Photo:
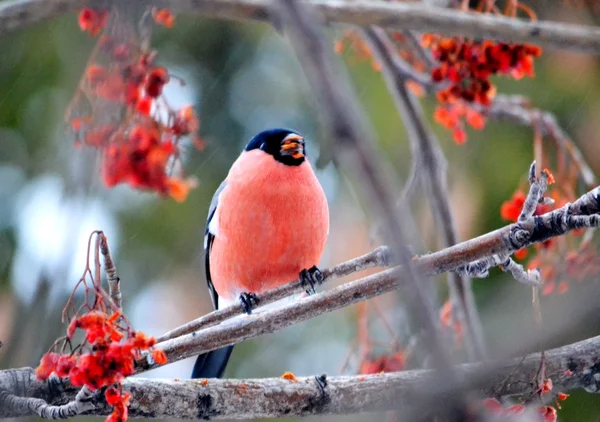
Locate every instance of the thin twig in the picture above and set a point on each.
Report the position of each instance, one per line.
(114, 282)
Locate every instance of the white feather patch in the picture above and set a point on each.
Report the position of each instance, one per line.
(213, 226)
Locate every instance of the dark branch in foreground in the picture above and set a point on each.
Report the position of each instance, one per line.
(16, 14)
(570, 367)
(430, 166)
(358, 156)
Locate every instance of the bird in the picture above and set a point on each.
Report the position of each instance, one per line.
(267, 225)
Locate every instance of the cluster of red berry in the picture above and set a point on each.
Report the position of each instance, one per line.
(466, 66)
(106, 354)
(108, 361)
(126, 120)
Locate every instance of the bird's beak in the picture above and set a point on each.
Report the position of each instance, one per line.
(293, 145)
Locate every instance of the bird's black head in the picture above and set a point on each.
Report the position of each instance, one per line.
(285, 145)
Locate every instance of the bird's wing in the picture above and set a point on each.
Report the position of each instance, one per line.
(210, 232)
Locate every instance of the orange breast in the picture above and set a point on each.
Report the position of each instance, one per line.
(273, 222)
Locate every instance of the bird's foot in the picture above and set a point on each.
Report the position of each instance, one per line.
(309, 278)
(56, 385)
(321, 383)
(248, 300)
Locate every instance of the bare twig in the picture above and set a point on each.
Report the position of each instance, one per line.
(414, 40)
(527, 277)
(432, 164)
(480, 269)
(570, 367)
(113, 280)
(537, 188)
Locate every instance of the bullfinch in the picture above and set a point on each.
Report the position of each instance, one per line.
(267, 225)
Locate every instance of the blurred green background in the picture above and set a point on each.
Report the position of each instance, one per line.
(243, 78)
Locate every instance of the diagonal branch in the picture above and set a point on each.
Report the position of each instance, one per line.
(570, 367)
(379, 257)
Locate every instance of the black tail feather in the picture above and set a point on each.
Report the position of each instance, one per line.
(212, 364)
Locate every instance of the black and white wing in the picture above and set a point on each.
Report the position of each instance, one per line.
(212, 230)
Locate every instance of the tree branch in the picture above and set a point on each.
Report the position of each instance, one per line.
(16, 14)
(573, 366)
(432, 164)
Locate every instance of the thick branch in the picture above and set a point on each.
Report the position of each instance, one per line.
(421, 17)
(573, 366)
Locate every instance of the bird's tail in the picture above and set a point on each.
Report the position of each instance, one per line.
(212, 364)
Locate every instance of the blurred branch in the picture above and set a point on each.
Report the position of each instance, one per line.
(431, 166)
(414, 16)
(570, 367)
(585, 212)
(16, 14)
(356, 153)
(515, 109)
